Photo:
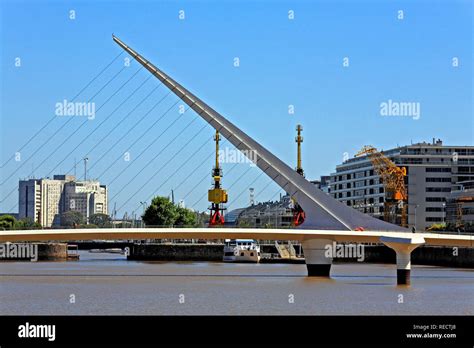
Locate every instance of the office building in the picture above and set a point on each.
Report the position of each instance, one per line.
(45, 199)
(433, 171)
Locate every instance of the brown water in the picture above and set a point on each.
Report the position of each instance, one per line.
(109, 284)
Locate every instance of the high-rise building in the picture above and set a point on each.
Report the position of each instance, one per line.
(45, 199)
(433, 170)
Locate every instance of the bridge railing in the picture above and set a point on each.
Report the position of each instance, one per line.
(135, 226)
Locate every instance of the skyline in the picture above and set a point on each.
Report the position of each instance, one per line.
(256, 83)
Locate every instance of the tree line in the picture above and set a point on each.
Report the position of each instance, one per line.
(161, 212)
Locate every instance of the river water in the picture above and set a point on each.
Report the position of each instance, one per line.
(109, 284)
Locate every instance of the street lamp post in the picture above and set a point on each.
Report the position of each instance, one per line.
(144, 205)
(416, 207)
(85, 159)
(444, 214)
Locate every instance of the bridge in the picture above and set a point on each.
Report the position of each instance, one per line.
(314, 241)
(327, 220)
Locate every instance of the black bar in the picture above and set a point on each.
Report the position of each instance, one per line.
(267, 330)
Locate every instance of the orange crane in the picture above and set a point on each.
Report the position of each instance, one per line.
(393, 179)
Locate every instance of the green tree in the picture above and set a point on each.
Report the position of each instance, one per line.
(100, 220)
(186, 217)
(7, 222)
(27, 223)
(72, 218)
(161, 212)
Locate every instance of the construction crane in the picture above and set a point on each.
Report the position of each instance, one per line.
(299, 140)
(393, 179)
(460, 201)
(217, 196)
(298, 212)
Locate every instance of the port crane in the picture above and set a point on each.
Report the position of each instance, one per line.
(393, 179)
(459, 210)
(298, 212)
(216, 195)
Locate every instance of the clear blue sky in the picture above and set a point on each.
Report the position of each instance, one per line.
(282, 62)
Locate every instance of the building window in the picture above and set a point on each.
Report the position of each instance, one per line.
(438, 179)
(433, 209)
(433, 219)
(438, 189)
(435, 199)
(437, 170)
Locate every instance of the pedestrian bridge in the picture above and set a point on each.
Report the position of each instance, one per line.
(314, 241)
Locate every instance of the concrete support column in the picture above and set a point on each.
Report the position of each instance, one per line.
(403, 267)
(317, 263)
(403, 247)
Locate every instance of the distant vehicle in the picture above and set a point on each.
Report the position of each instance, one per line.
(241, 250)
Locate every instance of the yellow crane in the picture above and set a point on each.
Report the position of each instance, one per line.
(217, 196)
(393, 179)
(298, 212)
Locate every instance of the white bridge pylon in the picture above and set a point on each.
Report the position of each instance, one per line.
(322, 211)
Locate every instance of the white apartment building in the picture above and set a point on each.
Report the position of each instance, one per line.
(433, 171)
(45, 199)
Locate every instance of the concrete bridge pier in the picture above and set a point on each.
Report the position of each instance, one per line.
(403, 248)
(317, 262)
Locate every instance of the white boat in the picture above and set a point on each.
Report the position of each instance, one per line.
(241, 250)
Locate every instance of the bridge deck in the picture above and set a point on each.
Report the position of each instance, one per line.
(231, 233)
